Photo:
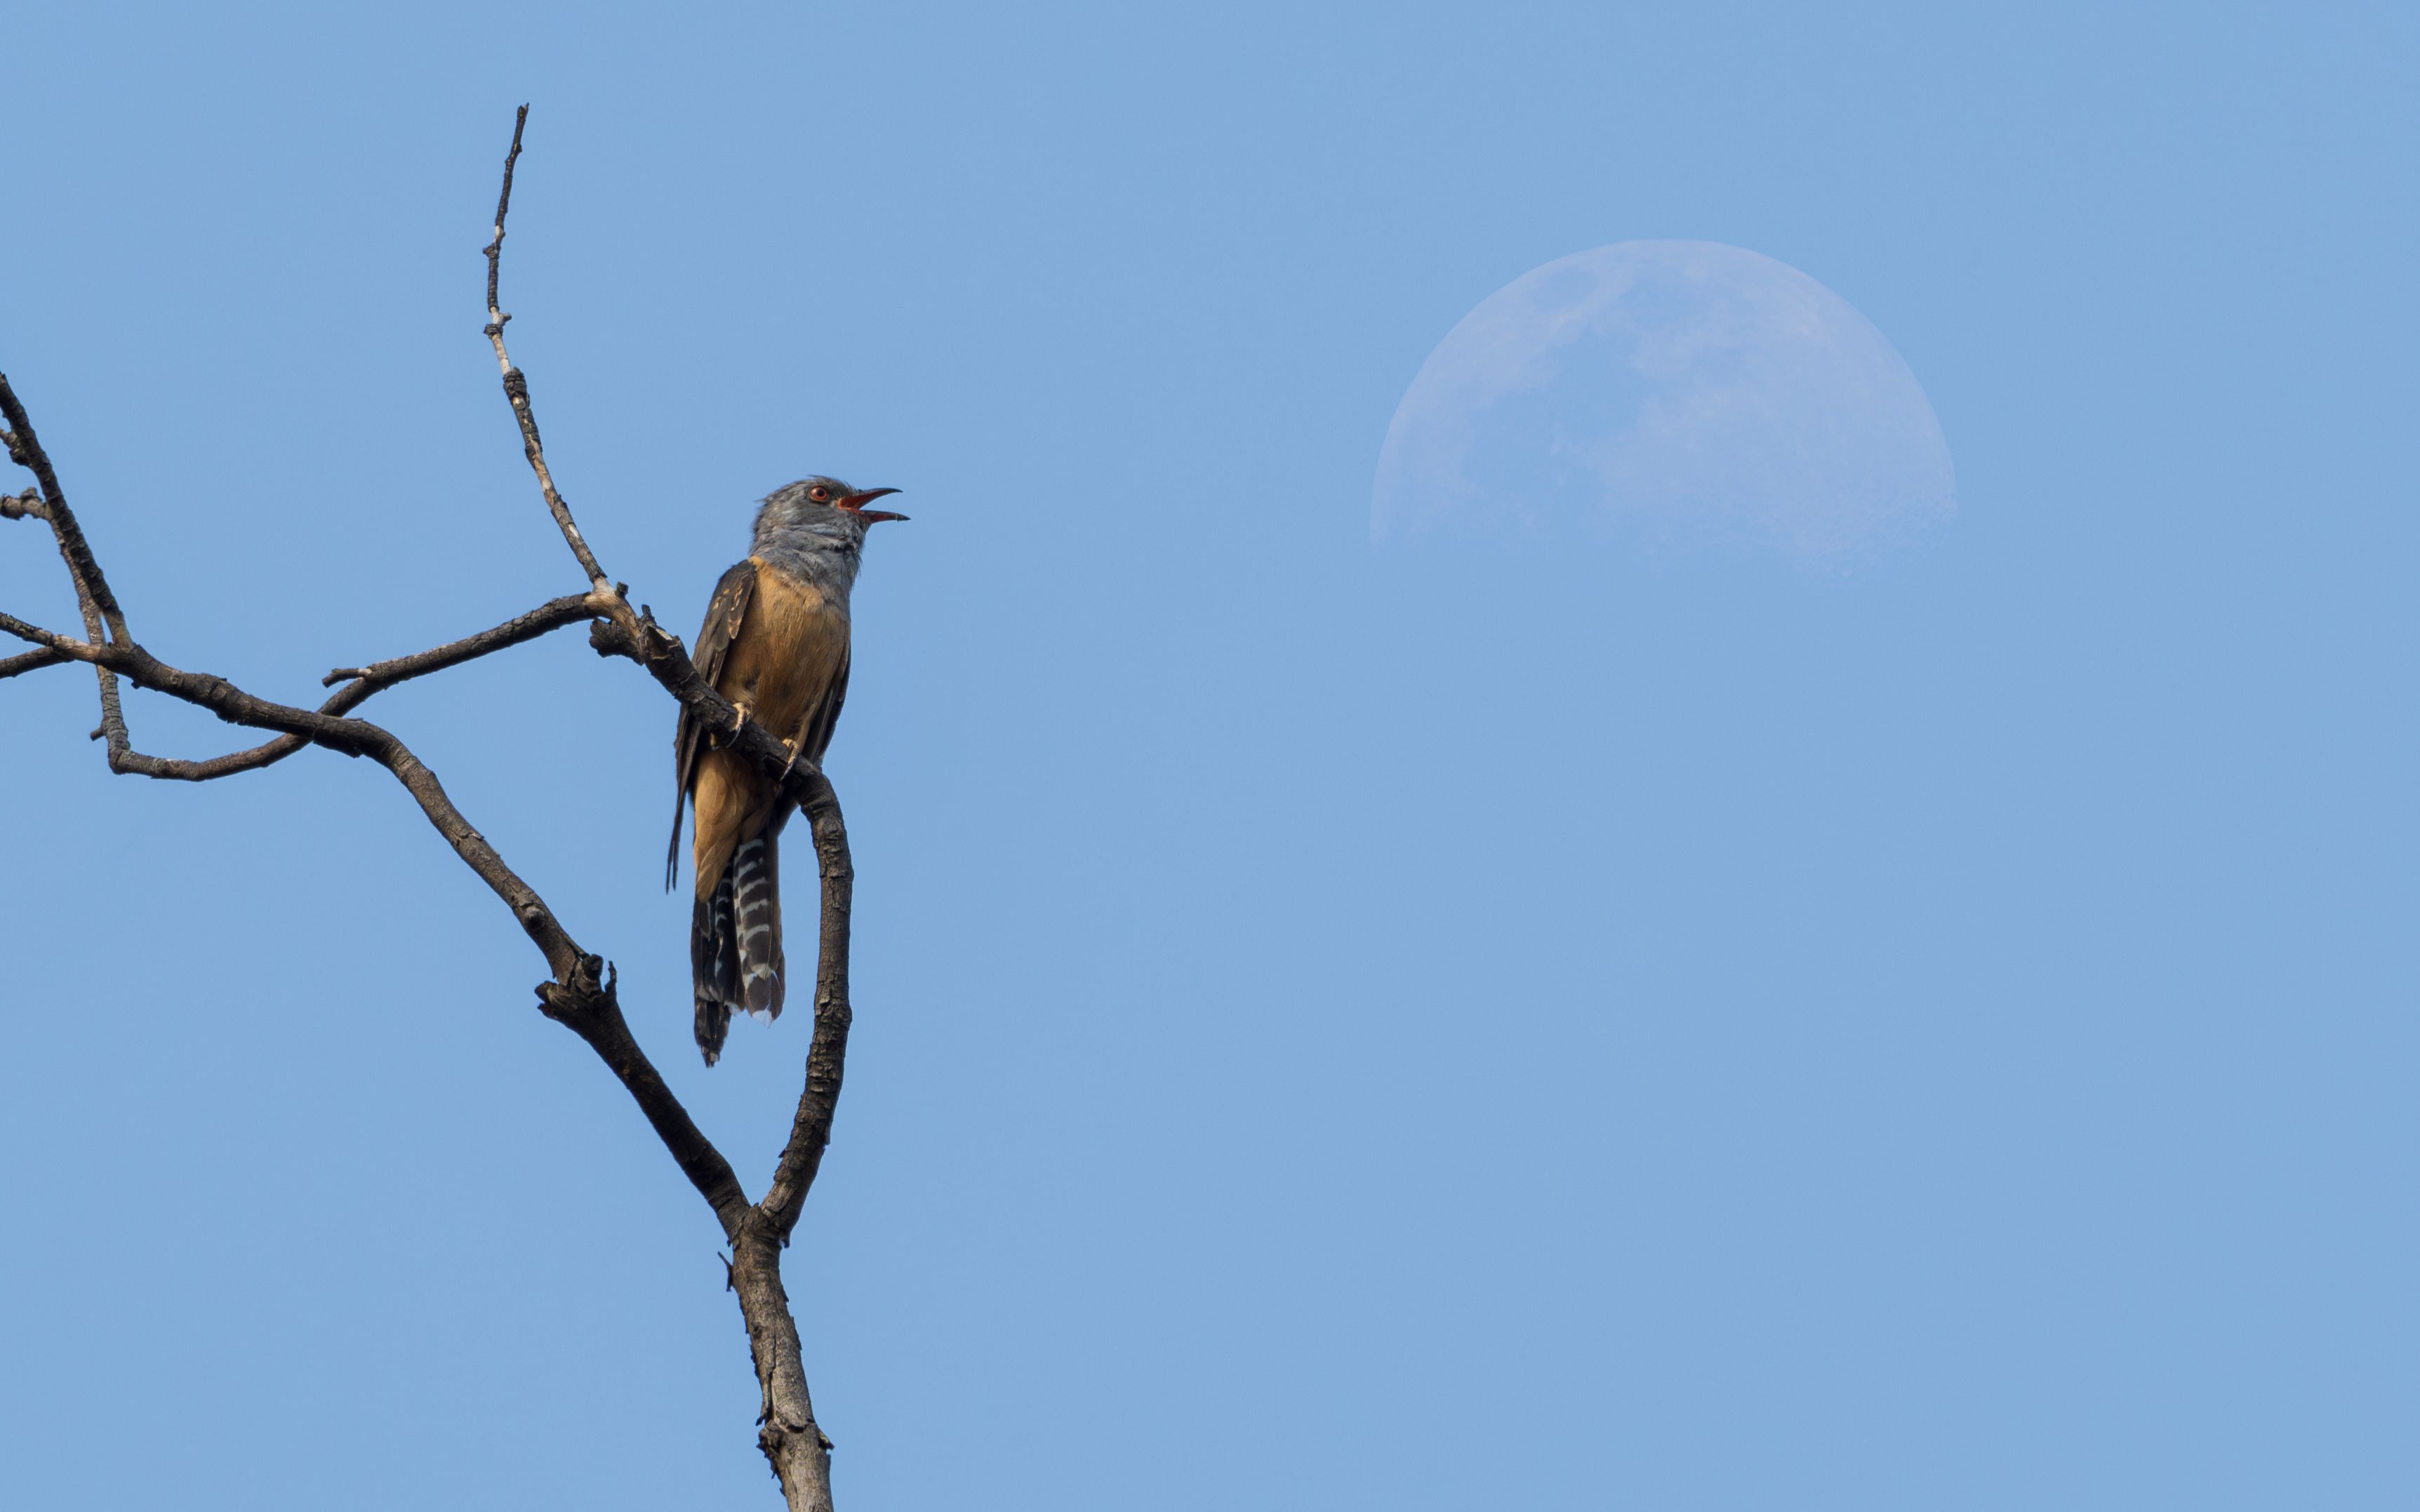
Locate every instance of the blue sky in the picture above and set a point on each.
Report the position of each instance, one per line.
(1525, 1028)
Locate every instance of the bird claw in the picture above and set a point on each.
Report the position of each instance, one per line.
(791, 765)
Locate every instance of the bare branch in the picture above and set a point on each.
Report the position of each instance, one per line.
(25, 450)
(577, 997)
(589, 1008)
(361, 683)
(352, 737)
(94, 600)
(127, 762)
(786, 1431)
(552, 615)
(828, 1052)
(30, 661)
(64, 646)
(515, 386)
(26, 506)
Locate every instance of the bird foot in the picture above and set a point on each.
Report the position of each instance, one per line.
(790, 766)
(739, 718)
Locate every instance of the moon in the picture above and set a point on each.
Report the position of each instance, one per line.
(1667, 393)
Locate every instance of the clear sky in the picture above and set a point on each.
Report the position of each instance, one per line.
(1527, 1028)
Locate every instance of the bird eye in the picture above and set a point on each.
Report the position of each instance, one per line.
(819, 495)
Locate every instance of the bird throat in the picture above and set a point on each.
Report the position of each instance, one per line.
(826, 563)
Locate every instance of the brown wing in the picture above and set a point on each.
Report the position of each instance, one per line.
(821, 721)
(723, 614)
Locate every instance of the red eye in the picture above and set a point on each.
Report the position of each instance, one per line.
(818, 494)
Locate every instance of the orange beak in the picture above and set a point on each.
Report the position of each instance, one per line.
(855, 503)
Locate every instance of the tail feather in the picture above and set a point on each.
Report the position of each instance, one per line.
(714, 966)
(671, 852)
(735, 942)
(757, 886)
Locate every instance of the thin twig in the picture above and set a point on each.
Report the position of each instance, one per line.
(552, 615)
(515, 386)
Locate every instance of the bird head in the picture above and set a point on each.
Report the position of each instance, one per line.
(823, 506)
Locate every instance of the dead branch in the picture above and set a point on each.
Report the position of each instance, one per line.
(361, 683)
(94, 600)
(25, 450)
(28, 661)
(802, 1155)
(552, 615)
(515, 386)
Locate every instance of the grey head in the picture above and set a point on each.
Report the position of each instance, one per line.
(815, 528)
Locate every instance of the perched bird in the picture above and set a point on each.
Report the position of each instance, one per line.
(775, 643)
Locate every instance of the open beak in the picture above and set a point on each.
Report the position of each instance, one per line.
(855, 503)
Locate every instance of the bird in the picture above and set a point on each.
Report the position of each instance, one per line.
(775, 643)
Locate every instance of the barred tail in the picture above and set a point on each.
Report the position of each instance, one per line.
(757, 886)
(714, 966)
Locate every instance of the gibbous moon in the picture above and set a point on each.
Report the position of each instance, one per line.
(1666, 393)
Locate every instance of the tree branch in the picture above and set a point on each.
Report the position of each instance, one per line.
(591, 1008)
(66, 648)
(29, 662)
(828, 1052)
(94, 600)
(787, 1430)
(516, 387)
(352, 737)
(361, 683)
(552, 615)
(577, 999)
(25, 450)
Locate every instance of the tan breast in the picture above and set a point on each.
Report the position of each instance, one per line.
(789, 648)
